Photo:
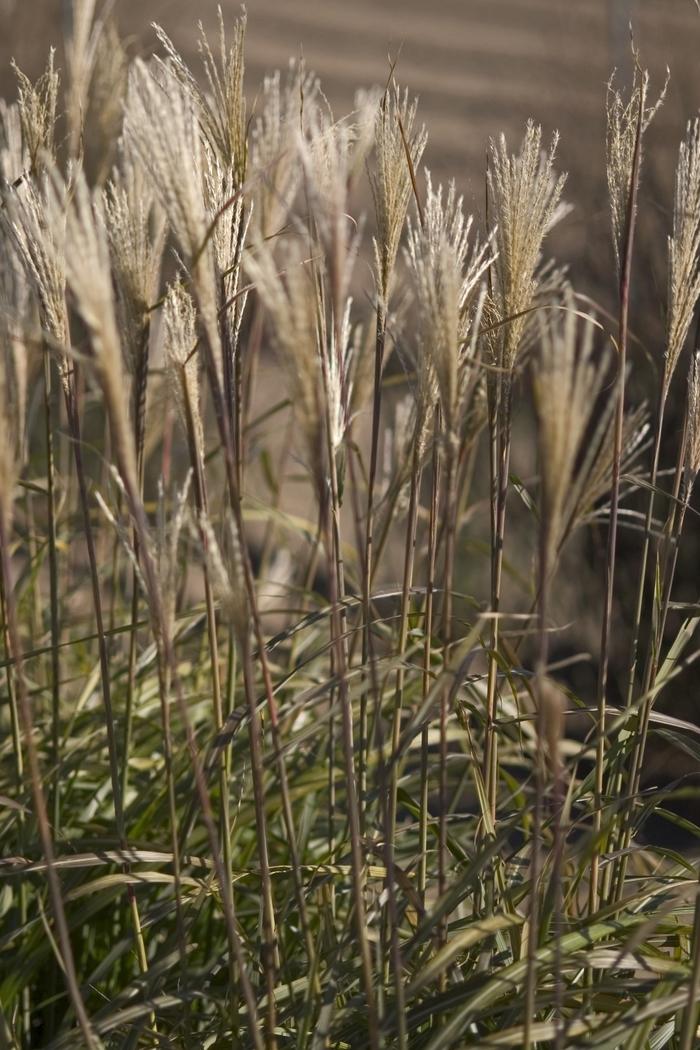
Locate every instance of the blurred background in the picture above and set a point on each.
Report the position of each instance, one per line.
(479, 66)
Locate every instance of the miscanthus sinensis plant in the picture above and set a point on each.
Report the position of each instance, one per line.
(289, 754)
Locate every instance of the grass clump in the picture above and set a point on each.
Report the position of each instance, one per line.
(253, 791)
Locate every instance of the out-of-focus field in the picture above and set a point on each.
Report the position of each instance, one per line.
(479, 66)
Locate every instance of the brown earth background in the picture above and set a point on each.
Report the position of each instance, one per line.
(479, 66)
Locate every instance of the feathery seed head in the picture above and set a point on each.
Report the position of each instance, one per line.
(626, 118)
(166, 553)
(594, 474)
(162, 124)
(340, 379)
(179, 325)
(290, 299)
(447, 271)
(37, 111)
(568, 378)
(524, 198)
(179, 333)
(221, 109)
(135, 226)
(327, 156)
(692, 453)
(319, 363)
(683, 250)
(105, 105)
(363, 122)
(88, 262)
(81, 49)
(89, 278)
(391, 180)
(40, 244)
(228, 242)
(274, 143)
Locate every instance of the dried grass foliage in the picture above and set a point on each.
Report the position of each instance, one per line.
(275, 799)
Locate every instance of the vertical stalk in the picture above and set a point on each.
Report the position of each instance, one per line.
(339, 639)
(616, 782)
(55, 662)
(53, 597)
(40, 811)
(16, 730)
(623, 326)
(72, 410)
(500, 466)
(169, 679)
(225, 434)
(346, 734)
(407, 584)
(614, 884)
(639, 605)
(139, 415)
(201, 504)
(445, 692)
(390, 836)
(535, 864)
(648, 696)
(367, 655)
(427, 656)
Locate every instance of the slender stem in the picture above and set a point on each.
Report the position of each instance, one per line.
(616, 779)
(55, 662)
(239, 429)
(139, 418)
(201, 503)
(271, 528)
(169, 679)
(40, 811)
(623, 327)
(447, 603)
(269, 942)
(614, 885)
(369, 543)
(53, 597)
(639, 605)
(648, 697)
(346, 733)
(407, 583)
(535, 863)
(72, 411)
(225, 435)
(427, 657)
(500, 458)
(339, 639)
(16, 728)
(390, 837)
